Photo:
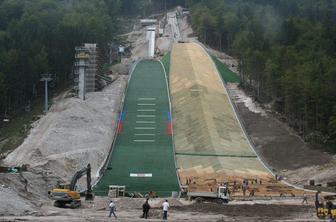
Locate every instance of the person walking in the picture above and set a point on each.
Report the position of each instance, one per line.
(305, 199)
(112, 207)
(145, 209)
(165, 207)
(245, 187)
(317, 199)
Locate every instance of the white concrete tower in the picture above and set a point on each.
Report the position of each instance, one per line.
(151, 41)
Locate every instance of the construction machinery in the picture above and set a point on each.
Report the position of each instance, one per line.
(326, 209)
(66, 194)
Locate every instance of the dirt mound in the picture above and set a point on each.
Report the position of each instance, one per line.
(73, 133)
(25, 193)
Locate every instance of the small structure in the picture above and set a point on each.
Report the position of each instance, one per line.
(116, 191)
(147, 22)
(160, 32)
(121, 49)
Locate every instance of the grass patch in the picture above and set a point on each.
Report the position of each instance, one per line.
(13, 133)
(166, 63)
(225, 72)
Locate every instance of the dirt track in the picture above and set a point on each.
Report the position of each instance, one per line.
(255, 212)
(130, 210)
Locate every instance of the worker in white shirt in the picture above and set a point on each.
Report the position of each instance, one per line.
(112, 207)
(165, 207)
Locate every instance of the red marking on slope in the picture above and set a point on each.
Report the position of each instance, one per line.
(170, 129)
(120, 127)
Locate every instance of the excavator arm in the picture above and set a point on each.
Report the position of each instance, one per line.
(78, 175)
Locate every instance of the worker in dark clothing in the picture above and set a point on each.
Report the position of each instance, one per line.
(25, 184)
(245, 187)
(145, 209)
(329, 206)
(252, 192)
(317, 202)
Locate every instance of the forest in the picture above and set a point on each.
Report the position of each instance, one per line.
(39, 36)
(287, 56)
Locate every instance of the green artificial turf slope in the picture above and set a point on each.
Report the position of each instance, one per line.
(152, 153)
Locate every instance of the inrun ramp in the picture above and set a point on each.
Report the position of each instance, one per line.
(143, 156)
(210, 144)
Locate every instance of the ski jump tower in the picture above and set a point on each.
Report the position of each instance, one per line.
(151, 41)
(150, 35)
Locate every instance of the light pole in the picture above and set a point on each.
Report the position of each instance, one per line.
(46, 78)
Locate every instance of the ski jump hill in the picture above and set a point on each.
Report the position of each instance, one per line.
(196, 139)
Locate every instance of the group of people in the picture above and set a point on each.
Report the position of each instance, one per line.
(246, 187)
(145, 209)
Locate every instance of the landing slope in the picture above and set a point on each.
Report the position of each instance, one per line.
(143, 157)
(209, 141)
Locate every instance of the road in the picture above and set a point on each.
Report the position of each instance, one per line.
(172, 21)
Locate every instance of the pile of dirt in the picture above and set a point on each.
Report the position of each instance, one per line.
(12, 204)
(24, 193)
(73, 133)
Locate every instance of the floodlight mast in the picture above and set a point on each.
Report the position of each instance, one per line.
(46, 77)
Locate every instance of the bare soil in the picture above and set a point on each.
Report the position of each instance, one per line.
(281, 148)
(255, 212)
(277, 143)
(180, 210)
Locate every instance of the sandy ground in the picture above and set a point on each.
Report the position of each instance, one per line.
(73, 133)
(180, 210)
(15, 200)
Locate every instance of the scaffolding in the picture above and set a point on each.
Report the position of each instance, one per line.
(85, 69)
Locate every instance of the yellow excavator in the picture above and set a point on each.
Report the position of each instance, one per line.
(66, 194)
(326, 209)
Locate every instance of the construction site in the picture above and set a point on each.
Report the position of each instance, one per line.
(167, 125)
